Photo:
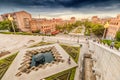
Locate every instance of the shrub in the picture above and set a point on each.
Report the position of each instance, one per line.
(108, 42)
(117, 45)
(118, 36)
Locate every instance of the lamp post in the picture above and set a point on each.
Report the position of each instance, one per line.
(11, 20)
(105, 26)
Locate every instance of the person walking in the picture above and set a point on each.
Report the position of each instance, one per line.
(69, 60)
(112, 45)
(42, 38)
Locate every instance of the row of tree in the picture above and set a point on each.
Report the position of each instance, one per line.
(7, 25)
(90, 27)
(66, 28)
(95, 28)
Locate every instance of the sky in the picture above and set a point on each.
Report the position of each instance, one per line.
(63, 8)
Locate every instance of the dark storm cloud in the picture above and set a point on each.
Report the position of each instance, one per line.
(58, 7)
(61, 3)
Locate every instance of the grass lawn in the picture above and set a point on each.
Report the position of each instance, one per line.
(72, 51)
(65, 75)
(70, 73)
(5, 63)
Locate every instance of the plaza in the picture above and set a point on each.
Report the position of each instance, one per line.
(40, 73)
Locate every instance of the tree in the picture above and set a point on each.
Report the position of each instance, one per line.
(97, 29)
(118, 36)
(6, 25)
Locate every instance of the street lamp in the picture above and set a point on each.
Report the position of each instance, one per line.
(105, 26)
(11, 20)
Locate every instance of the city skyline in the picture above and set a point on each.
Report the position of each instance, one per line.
(63, 8)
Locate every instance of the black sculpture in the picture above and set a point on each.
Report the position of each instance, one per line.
(38, 59)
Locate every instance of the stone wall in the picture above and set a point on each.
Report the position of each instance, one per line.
(106, 61)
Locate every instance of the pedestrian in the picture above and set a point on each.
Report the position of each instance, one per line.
(112, 45)
(42, 38)
(69, 60)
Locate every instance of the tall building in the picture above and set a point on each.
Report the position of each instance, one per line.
(21, 19)
(114, 26)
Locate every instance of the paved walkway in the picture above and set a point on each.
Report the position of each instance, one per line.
(82, 32)
(14, 43)
(41, 73)
(83, 49)
(17, 42)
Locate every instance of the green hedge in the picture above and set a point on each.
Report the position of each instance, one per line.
(108, 42)
(117, 45)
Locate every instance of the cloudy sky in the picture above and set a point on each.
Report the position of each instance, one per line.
(63, 8)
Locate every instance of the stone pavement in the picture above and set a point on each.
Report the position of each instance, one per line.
(15, 43)
(41, 73)
(83, 49)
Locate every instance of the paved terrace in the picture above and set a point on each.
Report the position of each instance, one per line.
(41, 73)
(14, 43)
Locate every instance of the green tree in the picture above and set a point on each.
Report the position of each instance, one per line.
(97, 29)
(6, 25)
(118, 36)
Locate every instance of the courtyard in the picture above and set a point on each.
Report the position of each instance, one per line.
(39, 73)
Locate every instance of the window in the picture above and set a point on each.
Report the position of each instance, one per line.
(26, 22)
